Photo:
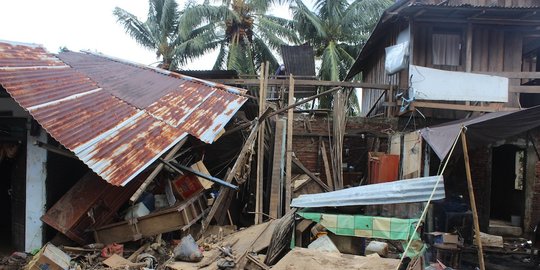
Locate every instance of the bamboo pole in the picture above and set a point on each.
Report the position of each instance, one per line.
(472, 200)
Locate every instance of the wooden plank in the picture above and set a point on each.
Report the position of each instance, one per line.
(412, 155)
(156, 171)
(161, 221)
(299, 164)
(472, 200)
(468, 49)
(458, 107)
(535, 89)
(514, 74)
(298, 83)
(477, 49)
(277, 169)
(288, 160)
(239, 164)
(484, 66)
(260, 146)
(327, 171)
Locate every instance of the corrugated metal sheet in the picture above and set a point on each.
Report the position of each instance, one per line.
(300, 61)
(403, 191)
(117, 117)
(481, 3)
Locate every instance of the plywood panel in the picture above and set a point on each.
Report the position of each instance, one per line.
(434, 84)
(412, 155)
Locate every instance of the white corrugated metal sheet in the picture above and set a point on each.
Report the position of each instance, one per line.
(403, 191)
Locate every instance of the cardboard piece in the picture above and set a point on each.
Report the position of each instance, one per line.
(199, 166)
(116, 261)
(186, 186)
(50, 258)
(448, 239)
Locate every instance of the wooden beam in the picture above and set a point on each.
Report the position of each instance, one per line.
(327, 172)
(238, 165)
(260, 145)
(458, 107)
(56, 150)
(288, 160)
(513, 74)
(156, 171)
(468, 49)
(277, 170)
(535, 89)
(298, 83)
(299, 164)
(472, 200)
(268, 114)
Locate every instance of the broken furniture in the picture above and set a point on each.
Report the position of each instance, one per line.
(448, 254)
(178, 217)
(50, 258)
(90, 203)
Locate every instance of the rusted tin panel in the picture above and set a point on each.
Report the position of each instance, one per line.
(124, 153)
(137, 86)
(77, 121)
(176, 106)
(31, 87)
(13, 54)
(212, 115)
(117, 117)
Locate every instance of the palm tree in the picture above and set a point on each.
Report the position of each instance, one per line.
(160, 33)
(247, 35)
(337, 29)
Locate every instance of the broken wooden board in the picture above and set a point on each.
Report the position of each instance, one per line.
(199, 166)
(276, 185)
(179, 217)
(489, 240)
(116, 261)
(302, 258)
(90, 194)
(241, 242)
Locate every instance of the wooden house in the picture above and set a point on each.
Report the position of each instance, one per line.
(459, 55)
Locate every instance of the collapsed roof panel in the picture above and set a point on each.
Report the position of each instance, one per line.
(77, 121)
(137, 86)
(116, 116)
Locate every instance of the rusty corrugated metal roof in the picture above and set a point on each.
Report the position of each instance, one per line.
(116, 116)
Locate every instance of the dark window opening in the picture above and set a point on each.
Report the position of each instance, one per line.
(446, 48)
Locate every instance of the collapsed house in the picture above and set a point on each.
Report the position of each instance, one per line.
(434, 73)
(64, 114)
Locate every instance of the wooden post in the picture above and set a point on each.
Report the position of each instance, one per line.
(468, 49)
(156, 171)
(276, 185)
(288, 164)
(327, 172)
(238, 165)
(260, 146)
(472, 200)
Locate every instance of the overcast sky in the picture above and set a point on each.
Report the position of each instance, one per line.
(84, 25)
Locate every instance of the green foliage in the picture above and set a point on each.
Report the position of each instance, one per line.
(245, 33)
(337, 29)
(161, 32)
